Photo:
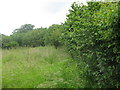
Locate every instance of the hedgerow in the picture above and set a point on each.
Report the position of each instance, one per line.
(92, 36)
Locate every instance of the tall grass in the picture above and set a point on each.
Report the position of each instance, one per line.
(41, 67)
(0, 68)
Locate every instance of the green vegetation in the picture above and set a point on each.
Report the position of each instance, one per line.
(0, 68)
(40, 67)
(26, 36)
(90, 35)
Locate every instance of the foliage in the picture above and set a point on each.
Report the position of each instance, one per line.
(92, 35)
(36, 38)
(53, 34)
(24, 28)
(26, 36)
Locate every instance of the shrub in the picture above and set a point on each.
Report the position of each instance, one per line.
(92, 35)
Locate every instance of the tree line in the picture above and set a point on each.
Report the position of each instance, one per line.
(91, 33)
(27, 36)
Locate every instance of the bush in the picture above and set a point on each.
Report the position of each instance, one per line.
(92, 35)
(13, 44)
(10, 45)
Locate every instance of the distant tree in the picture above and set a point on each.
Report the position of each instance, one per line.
(24, 28)
(8, 42)
(27, 36)
(53, 35)
(18, 37)
(34, 38)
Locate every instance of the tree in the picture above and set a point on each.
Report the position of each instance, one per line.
(24, 28)
(53, 35)
(8, 42)
(34, 38)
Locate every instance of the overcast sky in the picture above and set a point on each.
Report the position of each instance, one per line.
(14, 13)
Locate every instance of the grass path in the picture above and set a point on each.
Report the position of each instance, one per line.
(41, 67)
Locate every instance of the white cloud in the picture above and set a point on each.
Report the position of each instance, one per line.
(14, 13)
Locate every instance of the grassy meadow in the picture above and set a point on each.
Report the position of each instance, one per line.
(40, 67)
(0, 68)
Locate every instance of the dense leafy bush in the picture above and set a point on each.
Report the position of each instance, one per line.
(92, 35)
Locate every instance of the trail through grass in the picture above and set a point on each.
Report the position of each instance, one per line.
(41, 67)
